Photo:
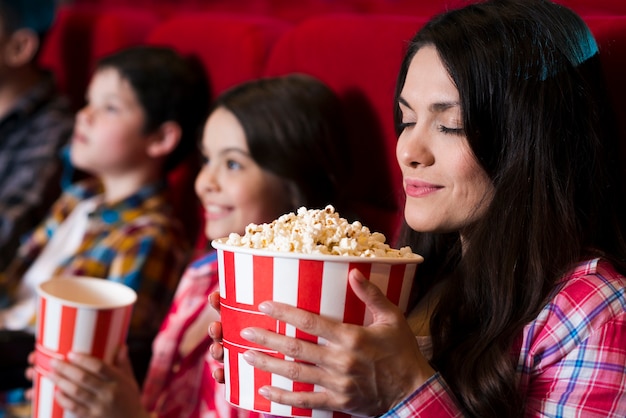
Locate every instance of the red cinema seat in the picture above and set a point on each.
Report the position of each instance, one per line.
(232, 49)
(67, 50)
(358, 56)
(424, 9)
(118, 28)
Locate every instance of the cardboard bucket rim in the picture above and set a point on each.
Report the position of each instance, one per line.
(219, 244)
(124, 295)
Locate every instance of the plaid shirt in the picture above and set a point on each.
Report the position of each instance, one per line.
(135, 242)
(179, 386)
(31, 135)
(573, 355)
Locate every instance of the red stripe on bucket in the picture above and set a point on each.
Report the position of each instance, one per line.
(103, 325)
(263, 270)
(356, 313)
(68, 327)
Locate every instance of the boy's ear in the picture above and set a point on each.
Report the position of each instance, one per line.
(165, 139)
(21, 47)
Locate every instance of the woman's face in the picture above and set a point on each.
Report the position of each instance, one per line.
(233, 189)
(446, 189)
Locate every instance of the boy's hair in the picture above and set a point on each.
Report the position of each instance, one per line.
(169, 87)
(36, 15)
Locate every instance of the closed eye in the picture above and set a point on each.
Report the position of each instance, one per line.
(402, 126)
(451, 131)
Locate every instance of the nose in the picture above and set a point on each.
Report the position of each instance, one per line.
(83, 115)
(413, 148)
(206, 180)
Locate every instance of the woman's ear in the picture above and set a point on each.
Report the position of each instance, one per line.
(164, 140)
(21, 47)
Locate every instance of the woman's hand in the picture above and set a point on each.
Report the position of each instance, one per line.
(364, 370)
(215, 332)
(90, 388)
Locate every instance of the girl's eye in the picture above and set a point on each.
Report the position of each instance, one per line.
(451, 131)
(233, 165)
(204, 160)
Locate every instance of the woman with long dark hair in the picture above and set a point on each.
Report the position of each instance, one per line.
(508, 154)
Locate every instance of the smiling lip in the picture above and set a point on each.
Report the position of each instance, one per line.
(215, 212)
(416, 188)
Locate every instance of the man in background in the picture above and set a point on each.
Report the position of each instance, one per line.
(35, 122)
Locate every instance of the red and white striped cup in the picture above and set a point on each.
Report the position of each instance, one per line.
(314, 282)
(79, 314)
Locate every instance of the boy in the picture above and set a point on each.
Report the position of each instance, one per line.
(145, 107)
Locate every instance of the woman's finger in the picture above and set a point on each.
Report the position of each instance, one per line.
(293, 370)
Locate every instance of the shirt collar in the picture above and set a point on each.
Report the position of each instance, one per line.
(148, 198)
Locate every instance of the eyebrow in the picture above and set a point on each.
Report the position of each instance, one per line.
(227, 151)
(434, 107)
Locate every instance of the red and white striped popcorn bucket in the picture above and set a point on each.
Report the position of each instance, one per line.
(80, 314)
(314, 282)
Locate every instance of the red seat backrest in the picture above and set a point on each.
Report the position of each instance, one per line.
(67, 50)
(358, 56)
(232, 48)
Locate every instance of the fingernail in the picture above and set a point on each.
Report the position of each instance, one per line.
(265, 307)
(248, 334)
(265, 392)
(249, 357)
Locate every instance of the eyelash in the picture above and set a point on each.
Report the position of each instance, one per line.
(403, 126)
(440, 128)
(451, 131)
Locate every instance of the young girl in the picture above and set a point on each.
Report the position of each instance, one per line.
(508, 161)
(270, 146)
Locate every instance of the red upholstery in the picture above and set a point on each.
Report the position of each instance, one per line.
(358, 56)
(67, 50)
(120, 28)
(232, 48)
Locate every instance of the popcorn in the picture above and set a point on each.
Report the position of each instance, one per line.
(317, 231)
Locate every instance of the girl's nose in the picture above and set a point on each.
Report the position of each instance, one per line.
(206, 181)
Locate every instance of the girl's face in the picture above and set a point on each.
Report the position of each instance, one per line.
(446, 189)
(108, 137)
(233, 189)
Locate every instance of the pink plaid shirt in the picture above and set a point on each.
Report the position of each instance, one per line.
(573, 357)
(182, 387)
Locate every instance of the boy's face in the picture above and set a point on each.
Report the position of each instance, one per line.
(108, 138)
